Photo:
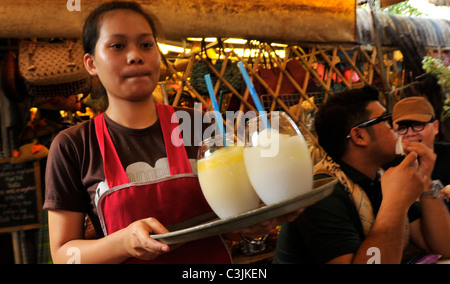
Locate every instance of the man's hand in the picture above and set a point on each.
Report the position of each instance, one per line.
(403, 184)
(445, 193)
(426, 156)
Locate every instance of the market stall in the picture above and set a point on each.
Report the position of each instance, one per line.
(294, 62)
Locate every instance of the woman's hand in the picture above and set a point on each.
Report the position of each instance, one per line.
(138, 242)
(67, 234)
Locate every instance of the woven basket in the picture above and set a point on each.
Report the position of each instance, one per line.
(53, 68)
(65, 89)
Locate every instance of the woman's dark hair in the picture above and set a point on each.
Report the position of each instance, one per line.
(92, 23)
(91, 33)
(339, 115)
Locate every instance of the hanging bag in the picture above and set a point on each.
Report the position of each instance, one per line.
(197, 78)
(53, 68)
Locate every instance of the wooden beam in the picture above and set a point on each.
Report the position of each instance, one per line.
(275, 20)
(386, 3)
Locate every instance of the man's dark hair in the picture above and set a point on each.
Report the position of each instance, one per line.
(339, 115)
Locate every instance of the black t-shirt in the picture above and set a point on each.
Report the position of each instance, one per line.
(442, 167)
(331, 227)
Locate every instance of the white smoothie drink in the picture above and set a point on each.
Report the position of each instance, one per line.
(285, 174)
(225, 184)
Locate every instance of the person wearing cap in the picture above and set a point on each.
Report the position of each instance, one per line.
(371, 214)
(415, 120)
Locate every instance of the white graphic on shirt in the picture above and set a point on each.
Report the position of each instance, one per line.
(102, 187)
(143, 172)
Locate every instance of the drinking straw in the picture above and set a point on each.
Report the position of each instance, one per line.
(220, 100)
(252, 90)
(251, 87)
(219, 120)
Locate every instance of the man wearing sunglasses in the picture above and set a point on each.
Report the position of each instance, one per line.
(415, 120)
(370, 215)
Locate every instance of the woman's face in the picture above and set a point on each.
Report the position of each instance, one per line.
(127, 59)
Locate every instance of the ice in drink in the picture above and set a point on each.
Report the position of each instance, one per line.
(225, 183)
(286, 174)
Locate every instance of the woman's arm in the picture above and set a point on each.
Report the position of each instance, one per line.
(68, 245)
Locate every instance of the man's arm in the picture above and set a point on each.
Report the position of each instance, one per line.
(435, 221)
(388, 232)
(435, 225)
(386, 237)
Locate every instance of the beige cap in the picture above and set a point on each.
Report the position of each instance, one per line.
(413, 108)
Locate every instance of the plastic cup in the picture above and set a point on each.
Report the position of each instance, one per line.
(223, 177)
(277, 159)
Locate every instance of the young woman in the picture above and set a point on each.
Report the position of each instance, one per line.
(121, 167)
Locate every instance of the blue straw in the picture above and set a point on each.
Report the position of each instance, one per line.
(221, 100)
(219, 119)
(253, 93)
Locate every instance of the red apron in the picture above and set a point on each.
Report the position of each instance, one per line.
(170, 200)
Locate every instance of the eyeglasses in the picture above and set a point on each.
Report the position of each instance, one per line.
(385, 117)
(416, 126)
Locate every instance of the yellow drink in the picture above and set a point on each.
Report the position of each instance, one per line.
(225, 184)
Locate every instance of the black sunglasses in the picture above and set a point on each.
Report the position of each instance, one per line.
(416, 126)
(385, 117)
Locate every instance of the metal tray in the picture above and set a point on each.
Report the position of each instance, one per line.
(209, 224)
